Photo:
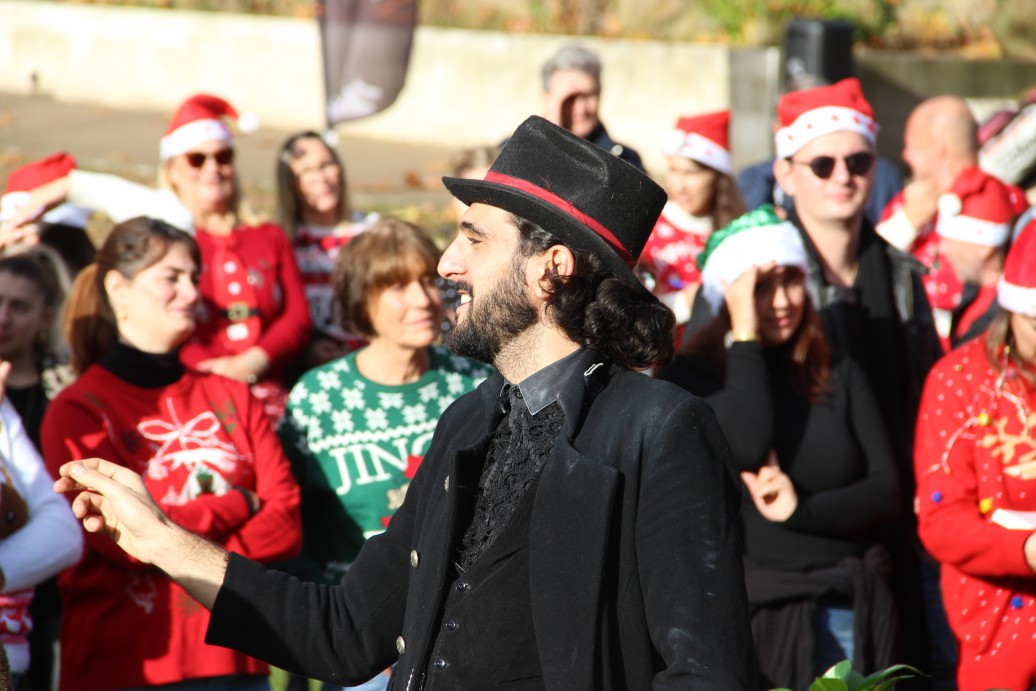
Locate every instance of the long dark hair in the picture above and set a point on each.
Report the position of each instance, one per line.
(289, 209)
(808, 355)
(594, 309)
(728, 203)
(132, 246)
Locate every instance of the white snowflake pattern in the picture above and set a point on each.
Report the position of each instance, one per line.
(341, 365)
(352, 398)
(429, 392)
(390, 400)
(342, 421)
(320, 403)
(455, 383)
(445, 401)
(376, 418)
(299, 393)
(313, 430)
(329, 379)
(299, 418)
(461, 364)
(414, 414)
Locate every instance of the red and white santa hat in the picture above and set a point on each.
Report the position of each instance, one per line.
(25, 179)
(810, 113)
(702, 138)
(202, 118)
(977, 210)
(1016, 290)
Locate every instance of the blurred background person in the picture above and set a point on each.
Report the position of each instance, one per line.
(62, 228)
(973, 231)
(976, 485)
(38, 535)
(314, 209)
(572, 98)
(759, 185)
(812, 450)
(253, 318)
(29, 299)
(357, 428)
(203, 445)
(702, 197)
(940, 148)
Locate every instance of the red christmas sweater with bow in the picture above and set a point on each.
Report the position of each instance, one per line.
(975, 452)
(125, 624)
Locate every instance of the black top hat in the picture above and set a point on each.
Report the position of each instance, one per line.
(589, 198)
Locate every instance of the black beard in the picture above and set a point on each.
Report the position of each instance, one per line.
(494, 319)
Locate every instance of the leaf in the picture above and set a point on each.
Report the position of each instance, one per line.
(839, 670)
(828, 684)
(886, 679)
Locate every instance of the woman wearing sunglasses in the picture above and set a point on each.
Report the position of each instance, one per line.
(254, 315)
(813, 453)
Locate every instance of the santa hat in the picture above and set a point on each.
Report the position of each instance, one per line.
(811, 113)
(754, 239)
(703, 138)
(1016, 290)
(202, 118)
(25, 179)
(977, 210)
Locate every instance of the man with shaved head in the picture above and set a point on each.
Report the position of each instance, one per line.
(940, 146)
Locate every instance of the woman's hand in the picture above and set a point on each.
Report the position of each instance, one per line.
(772, 491)
(740, 299)
(247, 366)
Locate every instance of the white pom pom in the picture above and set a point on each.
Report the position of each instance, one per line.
(949, 205)
(247, 122)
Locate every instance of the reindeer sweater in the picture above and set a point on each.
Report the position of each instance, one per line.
(195, 441)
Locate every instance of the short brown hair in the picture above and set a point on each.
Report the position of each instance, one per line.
(388, 253)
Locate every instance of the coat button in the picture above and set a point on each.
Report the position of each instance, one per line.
(415, 559)
(451, 624)
(400, 645)
(446, 484)
(440, 663)
(462, 586)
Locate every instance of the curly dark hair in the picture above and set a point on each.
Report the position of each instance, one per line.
(597, 310)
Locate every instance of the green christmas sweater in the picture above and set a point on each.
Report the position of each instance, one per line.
(354, 445)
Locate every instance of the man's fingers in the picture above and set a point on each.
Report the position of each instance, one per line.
(101, 476)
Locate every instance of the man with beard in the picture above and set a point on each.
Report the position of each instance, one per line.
(573, 524)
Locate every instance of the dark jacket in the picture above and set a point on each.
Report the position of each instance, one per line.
(602, 140)
(636, 579)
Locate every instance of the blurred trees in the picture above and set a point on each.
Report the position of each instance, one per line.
(979, 28)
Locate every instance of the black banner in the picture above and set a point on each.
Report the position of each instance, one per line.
(366, 46)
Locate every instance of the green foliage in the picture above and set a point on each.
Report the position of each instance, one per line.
(842, 677)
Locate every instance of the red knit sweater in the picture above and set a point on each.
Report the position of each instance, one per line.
(267, 266)
(975, 453)
(125, 624)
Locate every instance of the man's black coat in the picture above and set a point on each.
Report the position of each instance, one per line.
(634, 556)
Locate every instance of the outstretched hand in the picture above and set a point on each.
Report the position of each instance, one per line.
(114, 501)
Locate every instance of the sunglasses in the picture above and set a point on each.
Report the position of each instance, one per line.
(196, 159)
(824, 166)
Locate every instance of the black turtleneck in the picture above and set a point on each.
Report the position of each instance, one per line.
(146, 370)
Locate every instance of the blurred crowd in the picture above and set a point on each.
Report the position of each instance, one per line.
(868, 344)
